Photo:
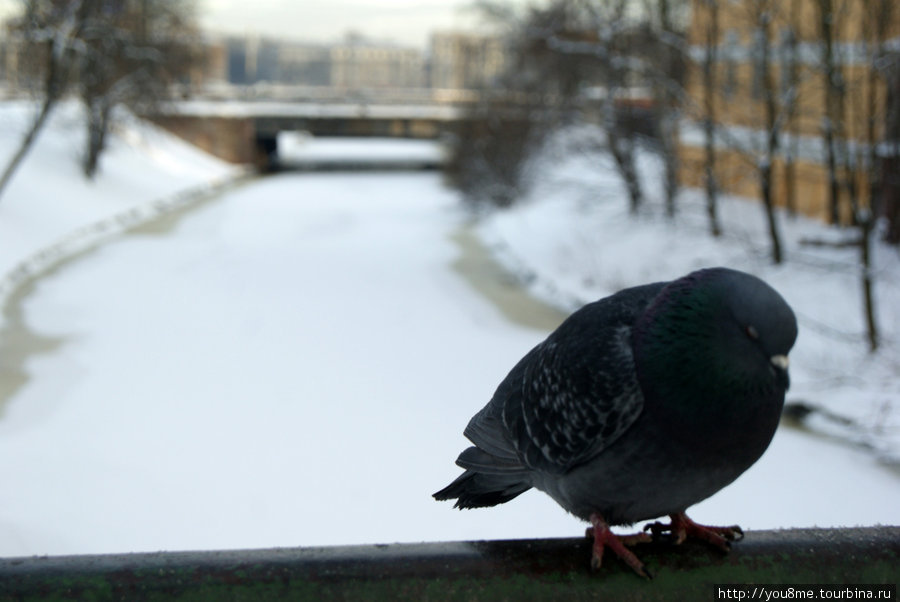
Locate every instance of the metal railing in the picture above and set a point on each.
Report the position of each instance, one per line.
(481, 570)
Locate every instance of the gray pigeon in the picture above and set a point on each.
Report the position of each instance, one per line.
(639, 405)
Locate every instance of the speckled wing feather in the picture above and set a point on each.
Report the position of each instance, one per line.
(572, 395)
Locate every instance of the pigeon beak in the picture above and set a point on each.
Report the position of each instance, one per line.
(781, 364)
(780, 361)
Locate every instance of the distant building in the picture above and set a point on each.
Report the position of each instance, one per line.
(466, 61)
(13, 56)
(304, 64)
(213, 69)
(353, 64)
(359, 64)
(252, 60)
(237, 60)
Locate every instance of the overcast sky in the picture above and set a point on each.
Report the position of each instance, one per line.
(406, 22)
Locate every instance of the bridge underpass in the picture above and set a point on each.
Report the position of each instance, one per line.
(247, 132)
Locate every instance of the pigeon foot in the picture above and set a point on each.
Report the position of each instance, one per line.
(604, 538)
(683, 527)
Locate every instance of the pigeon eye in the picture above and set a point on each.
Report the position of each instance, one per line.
(752, 333)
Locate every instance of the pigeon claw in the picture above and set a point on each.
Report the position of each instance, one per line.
(683, 527)
(604, 538)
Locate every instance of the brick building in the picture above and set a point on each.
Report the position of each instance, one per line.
(818, 70)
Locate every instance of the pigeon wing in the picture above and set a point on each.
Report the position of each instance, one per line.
(577, 392)
(487, 429)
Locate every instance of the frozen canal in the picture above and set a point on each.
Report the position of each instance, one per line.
(293, 364)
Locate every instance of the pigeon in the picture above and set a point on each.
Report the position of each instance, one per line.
(638, 406)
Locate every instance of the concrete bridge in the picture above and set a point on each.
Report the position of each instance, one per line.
(240, 124)
(247, 131)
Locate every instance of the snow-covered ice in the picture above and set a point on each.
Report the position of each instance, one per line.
(293, 364)
(300, 149)
(48, 199)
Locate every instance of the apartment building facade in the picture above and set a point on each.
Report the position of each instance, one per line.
(821, 76)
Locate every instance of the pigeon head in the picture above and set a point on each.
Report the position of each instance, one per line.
(765, 323)
(713, 346)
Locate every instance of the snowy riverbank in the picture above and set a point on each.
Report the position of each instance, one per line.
(49, 210)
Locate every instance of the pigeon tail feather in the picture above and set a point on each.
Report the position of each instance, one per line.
(478, 490)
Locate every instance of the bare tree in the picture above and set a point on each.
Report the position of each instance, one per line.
(565, 51)
(789, 60)
(492, 147)
(113, 52)
(666, 61)
(856, 125)
(514, 113)
(877, 17)
(617, 48)
(759, 111)
(834, 92)
(48, 30)
(711, 40)
(594, 43)
(764, 10)
(133, 51)
(889, 190)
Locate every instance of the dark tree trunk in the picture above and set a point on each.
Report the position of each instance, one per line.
(765, 180)
(831, 77)
(875, 24)
(790, 185)
(623, 154)
(833, 183)
(54, 84)
(773, 139)
(710, 60)
(27, 141)
(98, 117)
(865, 244)
(669, 142)
(709, 179)
(621, 145)
(669, 82)
(790, 63)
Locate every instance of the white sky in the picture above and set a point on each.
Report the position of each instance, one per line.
(406, 22)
